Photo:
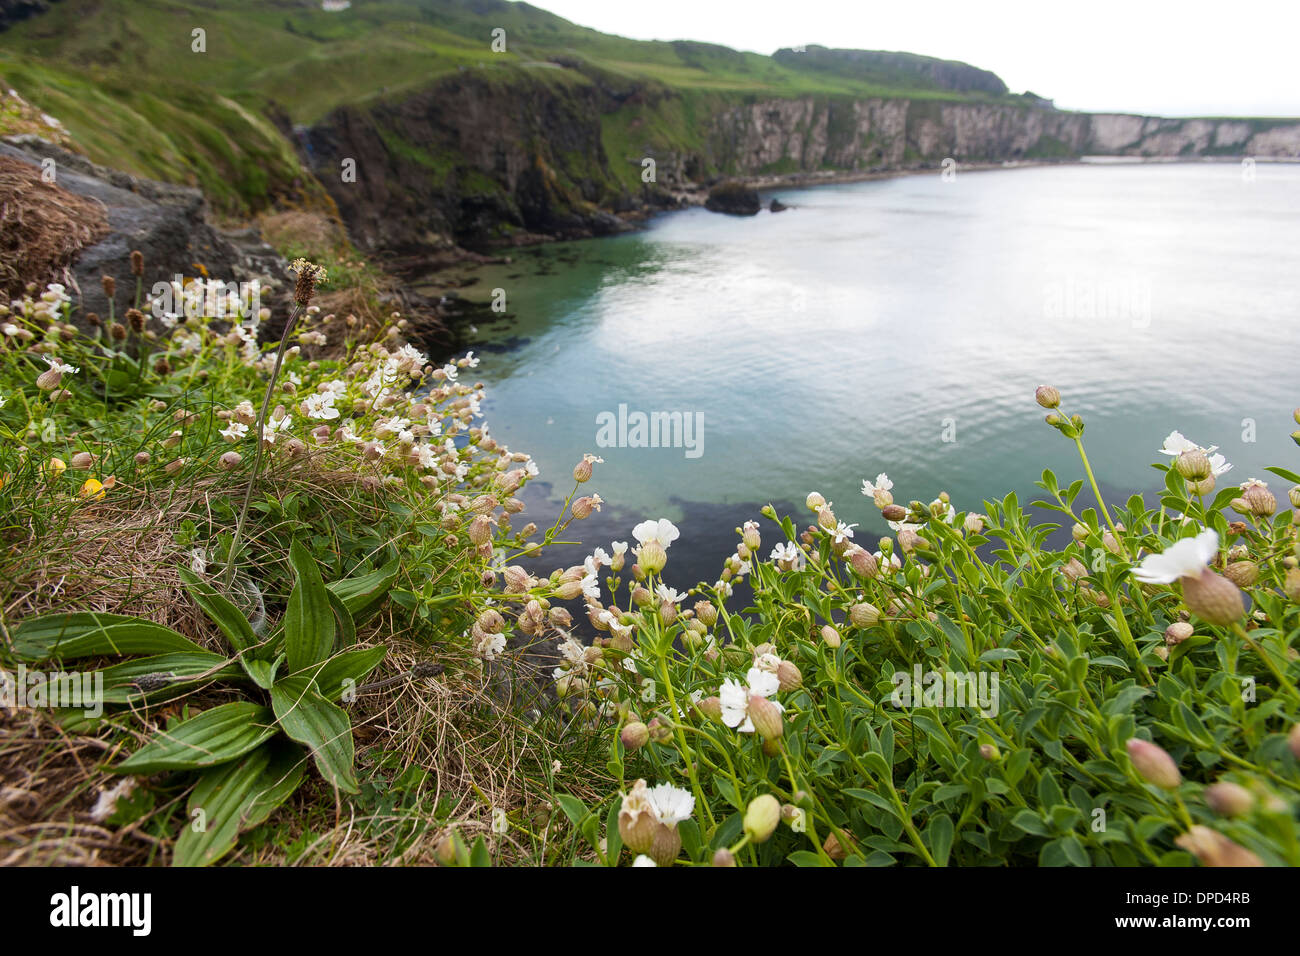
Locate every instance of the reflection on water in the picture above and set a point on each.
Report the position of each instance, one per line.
(901, 326)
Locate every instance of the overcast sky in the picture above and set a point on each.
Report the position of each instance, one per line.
(1139, 56)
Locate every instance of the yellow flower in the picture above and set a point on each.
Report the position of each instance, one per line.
(92, 489)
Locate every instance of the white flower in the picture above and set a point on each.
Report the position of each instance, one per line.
(234, 431)
(490, 645)
(274, 426)
(58, 366)
(643, 860)
(670, 595)
(620, 547)
(734, 697)
(670, 805)
(320, 406)
(469, 360)
(663, 531)
(842, 532)
(1176, 444)
(1184, 558)
(897, 526)
(882, 483)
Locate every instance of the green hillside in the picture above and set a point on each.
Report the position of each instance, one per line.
(123, 77)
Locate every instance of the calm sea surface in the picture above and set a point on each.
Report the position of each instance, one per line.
(901, 326)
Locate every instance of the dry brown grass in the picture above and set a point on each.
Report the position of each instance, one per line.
(465, 728)
(42, 227)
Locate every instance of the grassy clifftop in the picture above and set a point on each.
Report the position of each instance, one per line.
(137, 90)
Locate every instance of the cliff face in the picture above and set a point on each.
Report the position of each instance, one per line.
(480, 158)
(468, 160)
(814, 134)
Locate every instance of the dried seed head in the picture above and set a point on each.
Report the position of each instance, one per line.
(109, 285)
(137, 263)
(309, 276)
(135, 318)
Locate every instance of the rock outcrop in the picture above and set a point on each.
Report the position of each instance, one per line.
(733, 198)
(168, 224)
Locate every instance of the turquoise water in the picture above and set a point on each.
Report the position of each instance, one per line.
(901, 326)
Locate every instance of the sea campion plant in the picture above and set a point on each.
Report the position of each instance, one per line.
(968, 693)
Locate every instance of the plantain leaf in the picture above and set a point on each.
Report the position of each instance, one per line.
(343, 625)
(215, 736)
(309, 619)
(325, 729)
(236, 797)
(262, 672)
(332, 680)
(120, 680)
(223, 613)
(363, 593)
(90, 633)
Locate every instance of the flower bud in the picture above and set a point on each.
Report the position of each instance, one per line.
(659, 730)
(893, 512)
(1212, 848)
(789, 676)
(864, 615)
(1177, 632)
(762, 817)
(635, 735)
(1203, 487)
(1242, 573)
(652, 557)
(1213, 598)
(989, 752)
(751, 538)
(142, 458)
(766, 717)
(1047, 396)
(863, 563)
(666, 846)
(1291, 584)
(1293, 741)
(724, 857)
(711, 707)
(231, 460)
(582, 471)
(1259, 499)
(1154, 764)
(480, 530)
(1229, 799)
(815, 502)
(1193, 465)
(830, 636)
(974, 523)
(1079, 532)
(582, 507)
(517, 579)
(706, 613)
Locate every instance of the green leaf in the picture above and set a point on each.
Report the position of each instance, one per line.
(120, 679)
(344, 626)
(479, 856)
(262, 672)
(89, 633)
(363, 593)
(939, 836)
(213, 737)
(309, 619)
(325, 729)
(333, 677)
(236, 797)
(223, 614)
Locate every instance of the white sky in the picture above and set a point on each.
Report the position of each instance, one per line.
(1139, 56)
